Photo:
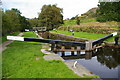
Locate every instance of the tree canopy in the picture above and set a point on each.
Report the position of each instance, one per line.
(12, 21)
(33, 22)
(108, 11)
(50, 17)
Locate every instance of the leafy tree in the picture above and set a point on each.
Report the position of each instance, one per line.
(33, 22)
(78, 21)
(108, 11)
(13, 21)
(75, 18)
(50, 17)
(24, 23)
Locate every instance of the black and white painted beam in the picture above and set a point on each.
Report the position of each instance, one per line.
(103, 38)
(15, 38)
(51, 41)
(27, 30)
(72, 43)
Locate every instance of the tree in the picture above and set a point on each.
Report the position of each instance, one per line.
(108, 11)
(50, 17)
(78, 21)
(24, 23)
(33, 22)
(13, 21)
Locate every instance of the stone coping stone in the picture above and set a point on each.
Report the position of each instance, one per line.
(51, 55)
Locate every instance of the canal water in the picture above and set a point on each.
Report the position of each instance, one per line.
(104, 61)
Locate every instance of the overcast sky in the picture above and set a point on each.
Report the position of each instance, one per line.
(31, 8)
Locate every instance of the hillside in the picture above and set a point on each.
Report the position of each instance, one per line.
(90, 13)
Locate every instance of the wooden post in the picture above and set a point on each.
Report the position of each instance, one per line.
(63, 50)
(78, 50)
(52, 45)
(55, 50)
(88, 55)
(63, 53)
(88, 46)
(72, 51)
(116, 40)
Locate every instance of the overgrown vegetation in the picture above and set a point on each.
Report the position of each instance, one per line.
(19, 61)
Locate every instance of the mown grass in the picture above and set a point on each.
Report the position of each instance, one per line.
(3, 38)
(85, 35)
(19, 61)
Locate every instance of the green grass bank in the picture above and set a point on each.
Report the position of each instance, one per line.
(19, 61)
(85, 35)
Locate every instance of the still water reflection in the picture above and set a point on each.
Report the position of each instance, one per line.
(104, 62)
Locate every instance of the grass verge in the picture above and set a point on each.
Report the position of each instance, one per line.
(85, 35)
(20, 61)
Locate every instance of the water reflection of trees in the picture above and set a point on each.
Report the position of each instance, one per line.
(109, 57)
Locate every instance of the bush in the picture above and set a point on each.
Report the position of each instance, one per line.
(78, 22)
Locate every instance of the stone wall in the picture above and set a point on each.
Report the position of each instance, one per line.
(57, 36)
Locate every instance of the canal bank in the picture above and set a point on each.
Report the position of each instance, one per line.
(93, 58)
(75, 67)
